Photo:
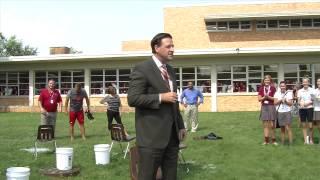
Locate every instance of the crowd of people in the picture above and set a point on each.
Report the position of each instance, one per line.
(160, 128)
(279, 106)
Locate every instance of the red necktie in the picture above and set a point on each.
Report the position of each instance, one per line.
(165, 74)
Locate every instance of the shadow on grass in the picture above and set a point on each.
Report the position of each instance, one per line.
(195, 170)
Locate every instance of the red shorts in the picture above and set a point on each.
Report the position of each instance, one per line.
(76, 115)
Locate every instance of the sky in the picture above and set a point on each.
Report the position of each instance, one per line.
(90, 26)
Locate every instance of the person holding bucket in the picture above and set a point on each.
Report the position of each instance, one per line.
(76, 96)
(283, 100)
(268, 111)
(113, 103)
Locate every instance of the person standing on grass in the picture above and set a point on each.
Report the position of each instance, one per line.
(49, 100)
(316, 103)
(191, 98)
(159, 124)
(76, 96)
(283, 100)
(268, 111)
(113, 103)
(305, 102)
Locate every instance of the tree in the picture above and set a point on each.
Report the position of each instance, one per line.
(15, 47)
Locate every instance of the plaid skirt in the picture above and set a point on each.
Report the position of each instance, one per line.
(268, 112)
(316, 115)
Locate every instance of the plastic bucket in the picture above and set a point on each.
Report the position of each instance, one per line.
(64, 158)
(18, 173)
(102, 153)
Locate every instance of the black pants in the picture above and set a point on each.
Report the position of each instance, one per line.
(150, 159)
(111, 115)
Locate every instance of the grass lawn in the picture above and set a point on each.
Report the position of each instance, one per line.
(240, 155)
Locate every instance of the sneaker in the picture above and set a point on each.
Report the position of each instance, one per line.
(193, 130)
(265, 143)
(275, 143)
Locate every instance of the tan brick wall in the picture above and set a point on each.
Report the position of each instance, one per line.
(187, 26)
(95, 105)
(237, 103)
(14, 101)
(136, 45)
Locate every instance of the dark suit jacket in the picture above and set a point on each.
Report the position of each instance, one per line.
(154, 120)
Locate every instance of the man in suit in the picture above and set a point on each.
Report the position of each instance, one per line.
(159, 125)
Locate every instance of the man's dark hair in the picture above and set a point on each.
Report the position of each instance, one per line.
(156, 40)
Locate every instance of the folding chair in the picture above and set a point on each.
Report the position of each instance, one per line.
(134, 159)
(118, 134)
(181, 158)
(45, 134)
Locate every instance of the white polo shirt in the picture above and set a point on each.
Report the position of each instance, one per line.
(305, 96)
(288, 96)
(316, 101)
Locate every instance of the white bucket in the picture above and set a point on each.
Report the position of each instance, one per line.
(64, 158)
(18, 173)
(102, 153)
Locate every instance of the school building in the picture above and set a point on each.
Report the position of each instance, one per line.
(225, 49)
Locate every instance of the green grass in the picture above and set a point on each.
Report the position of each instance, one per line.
(239, 155)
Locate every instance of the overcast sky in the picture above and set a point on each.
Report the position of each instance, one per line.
(91, 26)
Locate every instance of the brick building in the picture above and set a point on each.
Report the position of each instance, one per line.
(225, 49)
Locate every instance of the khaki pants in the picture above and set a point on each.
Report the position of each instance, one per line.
(49, 118)
(191, 117)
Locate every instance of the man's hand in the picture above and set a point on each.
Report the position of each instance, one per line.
(182, 134)
(169, 97)
(43, 111)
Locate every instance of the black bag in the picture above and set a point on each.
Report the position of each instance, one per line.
(89, 115)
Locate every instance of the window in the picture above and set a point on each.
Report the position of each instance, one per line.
(204, 79)
(284, 23)
(295, 23)
(272, 24)
(65, 79)
(96, 82)
(228, 26)
(188, 74)
(288, 24)
(243, 78)
(293, 74)
(261, 24)
(177, 71)
(222, 26)
(124, 78)
(245, 25)
(316, 22)
(234, 25)
(306, 22)
(200, 77)
(70, 78)
(101, 79)
(211, 26)
(224, 79)
(14, 83)
(254, 79)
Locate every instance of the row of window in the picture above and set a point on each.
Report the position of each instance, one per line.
(230, 78)
(65, 79)
(271, 24)
(14, 83)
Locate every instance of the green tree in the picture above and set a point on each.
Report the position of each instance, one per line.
(15, 47)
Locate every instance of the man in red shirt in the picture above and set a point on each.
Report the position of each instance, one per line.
(48, 101)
